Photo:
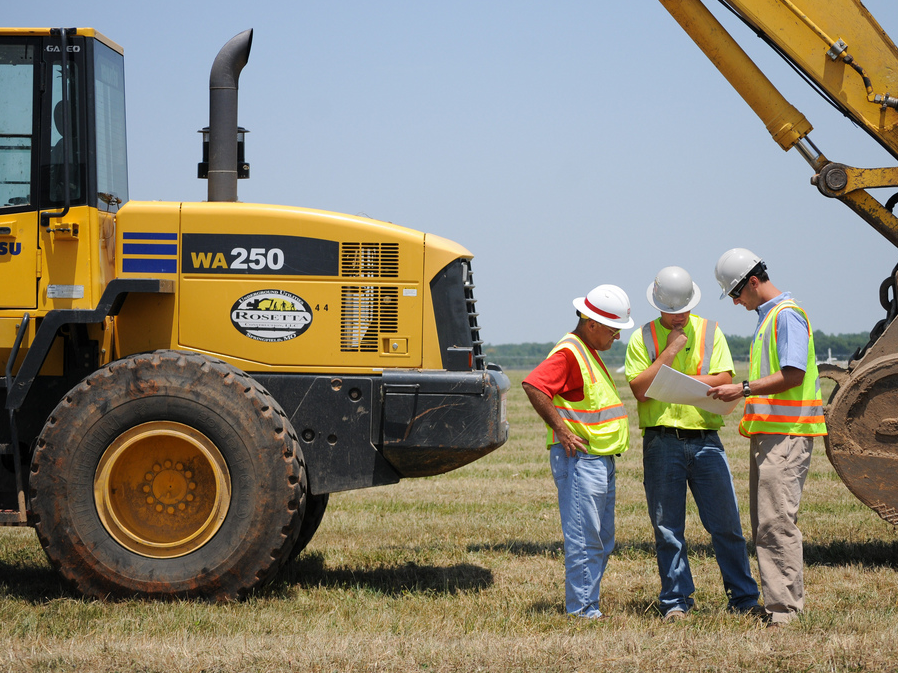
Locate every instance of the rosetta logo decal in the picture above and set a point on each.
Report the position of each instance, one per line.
(271, 315)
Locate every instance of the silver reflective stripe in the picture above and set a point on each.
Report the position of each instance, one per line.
(771, 324)
(710, 329)
(765, 354)
(593, 417)
(771, 408)
(767, 340)
(649, 341)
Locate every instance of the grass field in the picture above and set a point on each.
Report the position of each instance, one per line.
(464, 572)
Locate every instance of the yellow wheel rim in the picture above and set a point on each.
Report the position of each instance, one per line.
(162, 489)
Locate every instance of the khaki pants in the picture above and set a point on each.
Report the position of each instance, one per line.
(779, 467)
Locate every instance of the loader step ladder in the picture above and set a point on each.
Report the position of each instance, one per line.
(15, 516)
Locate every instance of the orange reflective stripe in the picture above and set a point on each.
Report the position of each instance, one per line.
(783, 403)
(700, 343)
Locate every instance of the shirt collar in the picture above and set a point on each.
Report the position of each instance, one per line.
(764, 308)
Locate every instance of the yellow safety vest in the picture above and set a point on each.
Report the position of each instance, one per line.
(600, 417)
(798, 411)
(697, 362)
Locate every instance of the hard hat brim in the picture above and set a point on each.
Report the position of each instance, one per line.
(696, 298)
(580, 305)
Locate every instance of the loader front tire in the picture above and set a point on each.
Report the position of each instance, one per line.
(315, 507)
(168, 474)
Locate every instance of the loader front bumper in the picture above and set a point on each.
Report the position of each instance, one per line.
(437, 421)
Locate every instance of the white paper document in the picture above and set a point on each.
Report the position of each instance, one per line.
(672, 386)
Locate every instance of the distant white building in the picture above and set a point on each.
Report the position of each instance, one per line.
(830, 360)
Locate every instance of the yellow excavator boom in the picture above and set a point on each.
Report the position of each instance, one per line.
(840, 49)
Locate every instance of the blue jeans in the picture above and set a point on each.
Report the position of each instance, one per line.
(586, 501)
(669, 464)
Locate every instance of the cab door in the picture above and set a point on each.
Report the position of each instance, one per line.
(68, 214)
(20, 66)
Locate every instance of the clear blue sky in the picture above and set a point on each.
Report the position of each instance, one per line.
(565, 144)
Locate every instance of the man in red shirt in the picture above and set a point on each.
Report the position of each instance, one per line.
(587, 426)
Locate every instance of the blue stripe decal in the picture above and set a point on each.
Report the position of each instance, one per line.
(149, 249)
(150, 236)
(140, 265)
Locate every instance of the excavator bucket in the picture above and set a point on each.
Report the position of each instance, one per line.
(862, 420)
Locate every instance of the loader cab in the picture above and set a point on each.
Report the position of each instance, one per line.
(63, 162)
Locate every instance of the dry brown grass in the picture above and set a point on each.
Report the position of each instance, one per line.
(464, 572)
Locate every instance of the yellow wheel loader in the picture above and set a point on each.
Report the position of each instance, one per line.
(186, 383)
(838, 47)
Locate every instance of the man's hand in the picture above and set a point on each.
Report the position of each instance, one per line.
(778, 382)
(676, 341)
(542, 403)
(571, 442)
(727, 392)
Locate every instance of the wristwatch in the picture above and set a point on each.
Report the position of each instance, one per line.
(746, 389)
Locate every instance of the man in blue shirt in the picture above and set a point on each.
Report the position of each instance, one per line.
(783, 414)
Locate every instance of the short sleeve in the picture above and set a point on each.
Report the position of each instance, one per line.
(559, 374)
(721, 358)
(637, 356)
(792, 339)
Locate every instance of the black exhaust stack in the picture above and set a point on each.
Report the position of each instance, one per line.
(223, 131)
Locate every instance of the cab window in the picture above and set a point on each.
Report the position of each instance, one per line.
(16, 123)
(109, 92)
(59, 132)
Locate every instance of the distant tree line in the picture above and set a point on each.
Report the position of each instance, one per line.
(842, 346)
(528, 355)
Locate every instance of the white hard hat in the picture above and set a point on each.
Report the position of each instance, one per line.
(607, 304)
(673, 291)
(734, 266)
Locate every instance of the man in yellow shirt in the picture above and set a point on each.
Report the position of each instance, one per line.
(681, 446)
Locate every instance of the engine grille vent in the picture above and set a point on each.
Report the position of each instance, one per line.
(369, 260)
(470, 303)
(366, 313)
